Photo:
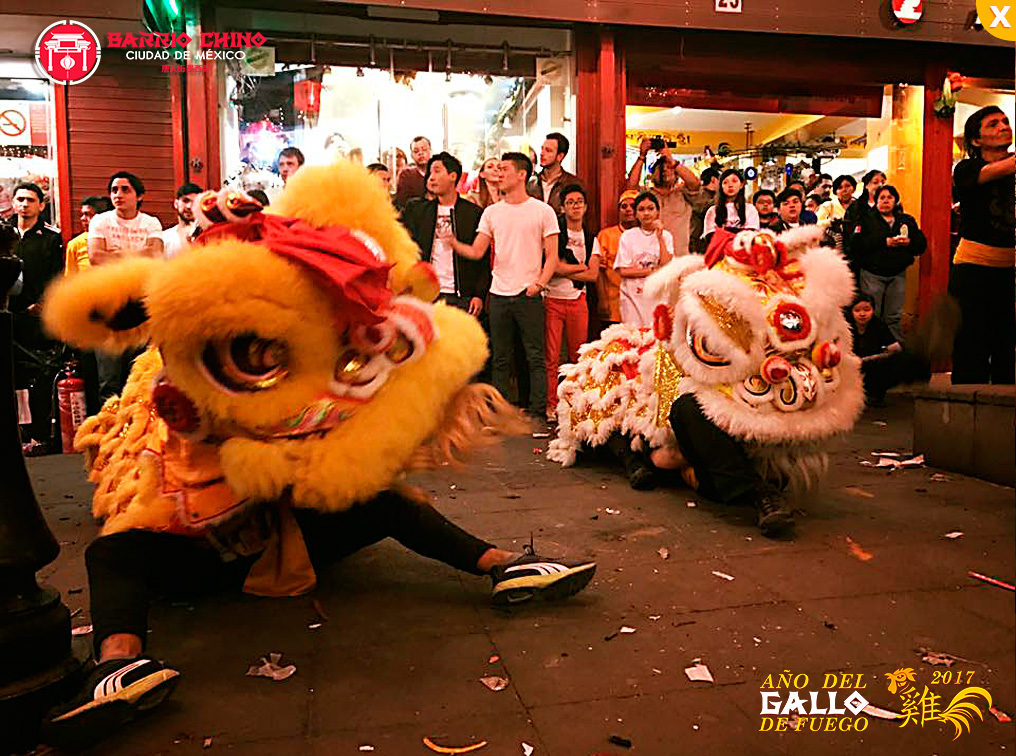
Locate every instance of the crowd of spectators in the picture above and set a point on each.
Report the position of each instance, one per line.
(521, 251)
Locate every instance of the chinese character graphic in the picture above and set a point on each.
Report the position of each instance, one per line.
(919, 708)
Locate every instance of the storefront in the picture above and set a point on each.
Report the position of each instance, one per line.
(362, 86)
(70, 139)
(27, 145)
(804, 87)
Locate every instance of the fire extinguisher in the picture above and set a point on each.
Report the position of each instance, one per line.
(71, 401)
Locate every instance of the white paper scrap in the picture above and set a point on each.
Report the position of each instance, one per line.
(699, 673)
(270, 667)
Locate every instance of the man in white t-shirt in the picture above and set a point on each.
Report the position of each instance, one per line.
(176, 239)
(525, 234)
(122, 232)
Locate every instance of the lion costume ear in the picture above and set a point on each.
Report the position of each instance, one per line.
(101, 308)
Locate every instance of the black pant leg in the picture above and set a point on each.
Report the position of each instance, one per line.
(126, 570)
(530, 317)
(724, 471)
(1002, 345)
(972, 346)
(330, 536)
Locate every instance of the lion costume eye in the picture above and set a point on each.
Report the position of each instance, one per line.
(700, 349)
(246, 362)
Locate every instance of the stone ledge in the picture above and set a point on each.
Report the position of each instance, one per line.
(968, 429)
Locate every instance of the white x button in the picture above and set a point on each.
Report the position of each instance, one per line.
(1000, 16)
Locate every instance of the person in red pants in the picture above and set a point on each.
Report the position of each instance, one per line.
(565, 299)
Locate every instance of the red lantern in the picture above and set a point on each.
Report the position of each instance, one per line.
(307, 97)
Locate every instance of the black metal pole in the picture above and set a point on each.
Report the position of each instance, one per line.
(38, 663)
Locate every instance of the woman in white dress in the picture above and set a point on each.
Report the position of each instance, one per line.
(640, 251)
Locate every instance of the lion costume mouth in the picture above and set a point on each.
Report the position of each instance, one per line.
(182, 416)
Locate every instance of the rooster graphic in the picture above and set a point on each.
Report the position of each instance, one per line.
(923, 707)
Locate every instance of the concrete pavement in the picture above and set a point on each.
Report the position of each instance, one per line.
(406, 640)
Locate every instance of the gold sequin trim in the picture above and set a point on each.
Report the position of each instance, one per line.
(735, 327)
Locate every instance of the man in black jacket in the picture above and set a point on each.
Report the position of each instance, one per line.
(41, 250)
(464, 283)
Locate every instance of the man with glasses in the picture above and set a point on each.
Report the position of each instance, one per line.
(565, 297)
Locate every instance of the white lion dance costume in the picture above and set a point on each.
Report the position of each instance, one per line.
(754, 330)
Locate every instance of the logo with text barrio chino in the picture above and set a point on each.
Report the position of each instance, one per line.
(67, 52)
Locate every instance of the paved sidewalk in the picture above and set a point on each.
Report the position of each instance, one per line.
(406, 639)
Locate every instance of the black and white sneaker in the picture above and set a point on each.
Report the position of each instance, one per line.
(114, 692)
(531, 577)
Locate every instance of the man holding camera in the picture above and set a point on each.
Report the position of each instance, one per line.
(674, 186)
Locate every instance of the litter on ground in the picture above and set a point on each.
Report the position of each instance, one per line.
(856, 491)
(1000, 715)
(856, 550)
(993, 581)
(452, 749)
(270, 667)
(495, 683)
(874, 711)
(699, 673)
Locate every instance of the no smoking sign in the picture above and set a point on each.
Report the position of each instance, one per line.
(13, 123)
(23, 123)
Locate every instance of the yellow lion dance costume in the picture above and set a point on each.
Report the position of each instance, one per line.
(295, 357)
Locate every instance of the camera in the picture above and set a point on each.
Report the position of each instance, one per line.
(657, 143)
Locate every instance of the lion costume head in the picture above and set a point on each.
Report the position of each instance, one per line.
(296, 353)
(754, 329)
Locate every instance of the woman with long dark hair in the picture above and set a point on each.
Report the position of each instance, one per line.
(885, 247)
(731, 211)
(981, 279)
(642, 250)
(859, 208)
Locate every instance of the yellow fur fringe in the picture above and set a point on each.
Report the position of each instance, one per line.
(475, 418)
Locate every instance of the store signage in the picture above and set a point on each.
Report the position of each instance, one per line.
(67, 52)
(728, 6)
(260, 61)
(908, 11)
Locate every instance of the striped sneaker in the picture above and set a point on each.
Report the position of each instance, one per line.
(113, 693)
(532, 577)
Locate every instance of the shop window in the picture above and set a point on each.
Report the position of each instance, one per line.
(371, 115)
(26, 142)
